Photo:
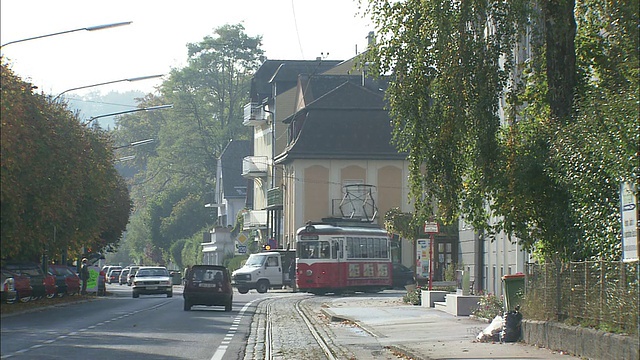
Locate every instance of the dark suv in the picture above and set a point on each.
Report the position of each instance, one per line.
(208, 285)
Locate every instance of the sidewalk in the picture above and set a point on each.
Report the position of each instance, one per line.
(426, 333)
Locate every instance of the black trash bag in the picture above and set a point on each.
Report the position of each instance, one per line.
(512, 330)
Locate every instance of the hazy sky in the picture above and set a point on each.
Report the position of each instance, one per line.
(156, 40)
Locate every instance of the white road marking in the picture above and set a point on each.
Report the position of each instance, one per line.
(222, 349)
(76, 332)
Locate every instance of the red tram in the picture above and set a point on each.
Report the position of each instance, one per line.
(338, 256)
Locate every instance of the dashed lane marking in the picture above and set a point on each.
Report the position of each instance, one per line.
(76, 332)
(222, 349)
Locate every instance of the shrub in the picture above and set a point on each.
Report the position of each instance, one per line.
(489, 306)
(413, 296)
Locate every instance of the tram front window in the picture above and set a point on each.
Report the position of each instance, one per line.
(314, 250)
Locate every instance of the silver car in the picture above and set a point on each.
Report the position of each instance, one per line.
(150, 280)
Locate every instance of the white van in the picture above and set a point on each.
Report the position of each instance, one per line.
(263, 271)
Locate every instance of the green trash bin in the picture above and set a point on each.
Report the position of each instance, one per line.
(513, 286)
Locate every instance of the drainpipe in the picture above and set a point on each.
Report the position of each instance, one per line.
(270, 217)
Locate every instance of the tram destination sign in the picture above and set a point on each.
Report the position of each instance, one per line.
(431, 227)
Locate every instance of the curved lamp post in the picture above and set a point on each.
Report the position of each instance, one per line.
(135, 143)
(151, 108)
(109, 82)
(89, 28)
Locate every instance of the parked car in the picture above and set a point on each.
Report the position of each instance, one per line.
(123, 276)
(34, 273)
(208, 285)
(66, 278)
(150, 280)
(9, 293)
(402, 276)
(50, 286)
(114, 276)
(21, 285)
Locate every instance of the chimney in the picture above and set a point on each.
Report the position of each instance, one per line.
(371, 38)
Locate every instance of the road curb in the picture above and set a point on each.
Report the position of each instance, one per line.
(397, 349)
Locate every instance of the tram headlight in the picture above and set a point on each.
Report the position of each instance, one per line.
(309, 272)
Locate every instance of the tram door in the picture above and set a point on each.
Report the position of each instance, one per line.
(337, 255)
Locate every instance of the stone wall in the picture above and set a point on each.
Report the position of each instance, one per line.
(580, 341)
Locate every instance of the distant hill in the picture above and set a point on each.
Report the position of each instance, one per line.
(96, 104)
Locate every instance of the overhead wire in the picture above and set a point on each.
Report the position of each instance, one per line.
(295, 23)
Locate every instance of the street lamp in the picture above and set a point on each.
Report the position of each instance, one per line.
(90, 28)
(151, 108)
(109, 82)
(135, 143)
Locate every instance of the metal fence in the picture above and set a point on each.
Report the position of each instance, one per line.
(593, 293)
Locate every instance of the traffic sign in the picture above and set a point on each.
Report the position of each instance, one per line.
(431, 227)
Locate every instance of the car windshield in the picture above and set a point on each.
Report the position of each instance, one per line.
(255, 260)
(151, 272)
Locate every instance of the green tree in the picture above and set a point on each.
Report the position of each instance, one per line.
(176, 252)
(452, 62)
(60, 191)
(402, 224)
(174, 175)
(600, 148)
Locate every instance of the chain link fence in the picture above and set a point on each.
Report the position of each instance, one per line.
(597, 294)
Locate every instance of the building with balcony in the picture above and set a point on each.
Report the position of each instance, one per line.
(322, 148)
(271, 100)
(231, 186)
(229, 199)
(325, 134)
(339, 159)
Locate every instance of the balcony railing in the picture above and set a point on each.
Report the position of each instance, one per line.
(255, 166)
(255, 219)
(254, 115)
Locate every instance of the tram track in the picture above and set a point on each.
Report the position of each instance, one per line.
(299, 326)
(291, 332)
(321, 341)
(268, 333)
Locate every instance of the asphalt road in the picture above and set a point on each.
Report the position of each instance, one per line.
(120, 327)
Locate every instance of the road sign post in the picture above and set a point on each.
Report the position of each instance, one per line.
(431, 228)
